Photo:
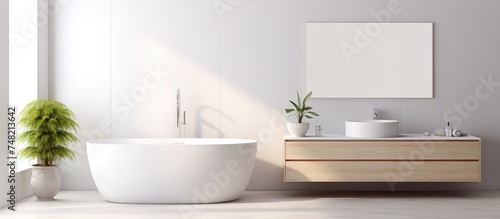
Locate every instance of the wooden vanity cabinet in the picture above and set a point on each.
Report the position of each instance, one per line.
(410, 159)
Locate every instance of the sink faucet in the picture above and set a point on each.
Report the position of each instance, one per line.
(375, 113)
(180, 124)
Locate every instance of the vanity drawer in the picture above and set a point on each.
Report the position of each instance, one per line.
(382, 150)
(382, 171)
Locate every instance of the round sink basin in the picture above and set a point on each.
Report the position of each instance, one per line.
(372, 128)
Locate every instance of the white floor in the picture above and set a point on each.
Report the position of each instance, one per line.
(274, 205)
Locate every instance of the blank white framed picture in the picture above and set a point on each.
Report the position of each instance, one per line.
(369, 60)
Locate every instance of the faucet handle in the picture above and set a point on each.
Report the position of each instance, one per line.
(183, 118)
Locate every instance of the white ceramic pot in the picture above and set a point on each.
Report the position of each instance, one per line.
(45, 182)
(298, 129)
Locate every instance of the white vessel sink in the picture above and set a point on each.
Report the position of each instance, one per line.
(372, 128)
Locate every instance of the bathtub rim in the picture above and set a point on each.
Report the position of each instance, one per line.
(173, 141)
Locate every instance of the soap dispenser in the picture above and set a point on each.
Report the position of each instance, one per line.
(448, 130)
(319, 131)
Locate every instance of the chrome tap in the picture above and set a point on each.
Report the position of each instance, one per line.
(180, 124)
(375, 113)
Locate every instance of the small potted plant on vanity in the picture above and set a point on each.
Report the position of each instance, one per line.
(300, 111)
(48, 128)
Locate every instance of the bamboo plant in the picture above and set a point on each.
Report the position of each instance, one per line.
(49, 127)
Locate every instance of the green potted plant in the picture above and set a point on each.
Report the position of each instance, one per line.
(48, 127)
(300, 110)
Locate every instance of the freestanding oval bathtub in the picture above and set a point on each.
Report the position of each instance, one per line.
(176, 170)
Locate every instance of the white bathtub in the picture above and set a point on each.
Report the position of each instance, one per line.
(183, 170)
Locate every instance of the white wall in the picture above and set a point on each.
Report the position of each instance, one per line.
(237, 73)
(79, 66)
(4, 93)
(495, 68)
(23, 55)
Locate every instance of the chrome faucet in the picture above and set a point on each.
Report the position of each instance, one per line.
(180, 124)
(375, 113)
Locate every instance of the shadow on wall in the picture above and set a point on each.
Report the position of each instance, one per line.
(202, 123)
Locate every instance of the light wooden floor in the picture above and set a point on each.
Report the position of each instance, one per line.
(274, 205)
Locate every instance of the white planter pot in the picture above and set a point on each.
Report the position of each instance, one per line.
(298, 129)
(45, 182)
